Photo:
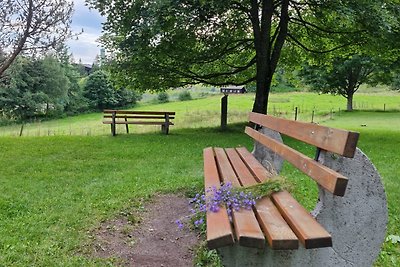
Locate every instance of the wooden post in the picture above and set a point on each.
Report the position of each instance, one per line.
(224, 112)
(312, 116)
(295, 114)
(22, 128)
(165, 127)
(113, 123)
(126, 125)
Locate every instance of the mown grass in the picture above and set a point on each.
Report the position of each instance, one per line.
(54, 191)
(380, 140)
(205, 112)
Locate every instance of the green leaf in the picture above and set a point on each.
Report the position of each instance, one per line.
(393, 238)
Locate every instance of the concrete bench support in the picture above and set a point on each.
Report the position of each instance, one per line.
(357, 221)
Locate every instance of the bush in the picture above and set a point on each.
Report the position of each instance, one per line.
(163, 97)
(183, 96)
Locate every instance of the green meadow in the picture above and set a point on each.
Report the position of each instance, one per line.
(64, 177)
(205, 112)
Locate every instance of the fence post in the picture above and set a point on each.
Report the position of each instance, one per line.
(295, 114)
(224, 112)
(312, 116)
(22, 128)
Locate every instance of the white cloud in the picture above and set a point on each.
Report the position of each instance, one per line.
(87, 46)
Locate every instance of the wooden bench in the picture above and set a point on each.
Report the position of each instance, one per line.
(279, 219)
(114, 117)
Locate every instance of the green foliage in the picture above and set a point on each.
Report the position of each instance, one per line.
(163, 97)
(56, 190)
(205, 257)
(393, 238)
(342, 75)
(168, 44)
(32, 27)
(101, 93)
(396, 82)
(184, 96)
(34, 88)
(275, 184)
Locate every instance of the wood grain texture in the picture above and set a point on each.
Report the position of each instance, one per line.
(335, 140)
(279, 235)
(332, 181)
(137, 117)
(138, 112)
(253, 164)
(247, 229)
(308, 230)
(219, 230)
(246, 178)
(140, 122)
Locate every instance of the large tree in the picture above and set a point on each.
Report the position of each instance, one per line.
(34, 88)
(28, 26)
(342, 75)
(160, 44)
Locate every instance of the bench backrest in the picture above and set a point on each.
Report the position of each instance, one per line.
(323, 138)
(108, 113)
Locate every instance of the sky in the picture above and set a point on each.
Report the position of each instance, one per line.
(86, 47)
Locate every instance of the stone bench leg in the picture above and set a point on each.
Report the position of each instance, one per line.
(357, 221)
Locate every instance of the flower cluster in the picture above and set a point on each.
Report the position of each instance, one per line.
(214, 198)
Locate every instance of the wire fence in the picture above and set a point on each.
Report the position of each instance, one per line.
(189, 119)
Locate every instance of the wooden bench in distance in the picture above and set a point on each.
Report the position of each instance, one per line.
(280, 219)
(114, 117)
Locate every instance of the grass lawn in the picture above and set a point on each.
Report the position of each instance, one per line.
(205, 112)
(54, 191)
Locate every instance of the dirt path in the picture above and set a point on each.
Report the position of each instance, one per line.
(156, 241)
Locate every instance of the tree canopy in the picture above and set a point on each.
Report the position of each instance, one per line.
(28, 27)
(342, 75)
(161, 44)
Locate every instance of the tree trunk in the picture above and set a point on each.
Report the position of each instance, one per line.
(261, 100)
(268, 47)
(350, 102)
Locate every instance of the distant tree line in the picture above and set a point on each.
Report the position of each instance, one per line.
(52, 87)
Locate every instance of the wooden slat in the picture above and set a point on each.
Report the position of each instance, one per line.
(225, 167)
(332, 181)
(139, 122)
(137, 117)
(253, 164)
(247, 229)
(278, 233)
(138, 112)
(246, 178)
(335, 140)
(275, 228)
(308, 230)
(219, 230)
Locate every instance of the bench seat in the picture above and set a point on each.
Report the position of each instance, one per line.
(127, 117)
(280, 219)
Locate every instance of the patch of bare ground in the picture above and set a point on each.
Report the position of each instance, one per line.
(155, 241)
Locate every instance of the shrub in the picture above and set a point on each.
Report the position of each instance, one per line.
(183, 96)
(163, 97)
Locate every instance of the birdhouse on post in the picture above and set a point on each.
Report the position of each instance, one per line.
(224, 101)
(233, 90)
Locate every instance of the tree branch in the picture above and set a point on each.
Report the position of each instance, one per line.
(297, 42)
(21, 42)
